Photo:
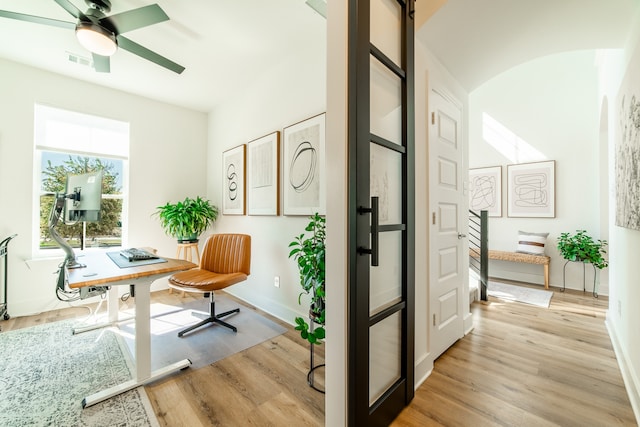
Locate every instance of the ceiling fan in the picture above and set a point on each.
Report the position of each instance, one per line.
(102, 34)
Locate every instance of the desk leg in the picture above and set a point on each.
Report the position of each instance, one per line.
(113, 308)
(113, 318)
(143, 332)
(143, 374)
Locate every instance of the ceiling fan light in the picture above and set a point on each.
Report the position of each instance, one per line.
(96, 39)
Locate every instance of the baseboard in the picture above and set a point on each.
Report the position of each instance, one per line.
(271, 307)
(536, 278)
(423, 370)
(468, 323)
(626, 369)
(519, 276)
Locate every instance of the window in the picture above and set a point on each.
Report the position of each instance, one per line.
(70, 143)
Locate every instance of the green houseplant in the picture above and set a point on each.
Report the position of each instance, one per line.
(583, 248)
(187, 219)
(309, 253)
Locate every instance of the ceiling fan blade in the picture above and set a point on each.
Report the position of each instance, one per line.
(143, 52)
(101, 64)
(36, 19)
(70, 7)
(136, 18)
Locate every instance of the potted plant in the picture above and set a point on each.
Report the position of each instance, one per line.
(583, 248)
(309, 253)
(186, 220)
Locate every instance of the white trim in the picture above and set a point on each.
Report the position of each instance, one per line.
(89, 135)
(82, 133)
(423, 369)
(468, 321)
(629, 376)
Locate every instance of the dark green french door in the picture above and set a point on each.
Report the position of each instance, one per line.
(381, 210)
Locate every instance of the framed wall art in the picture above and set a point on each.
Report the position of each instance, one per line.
(233, 181)
(485, 190)
(303, 167)
(531, 190)
(263, 174)
(627, 148)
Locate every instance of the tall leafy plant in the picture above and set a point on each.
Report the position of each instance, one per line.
(583, 248)
(187, 219)
(308, 250)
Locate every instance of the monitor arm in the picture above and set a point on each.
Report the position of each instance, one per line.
(70, 260)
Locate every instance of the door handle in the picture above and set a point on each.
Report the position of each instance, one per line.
(375, 229)
(461, 236)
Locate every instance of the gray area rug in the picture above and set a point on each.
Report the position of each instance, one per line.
(537, 297)
(47, 371)
(207, 344)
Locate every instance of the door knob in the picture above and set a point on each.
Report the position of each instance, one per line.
(461, 236)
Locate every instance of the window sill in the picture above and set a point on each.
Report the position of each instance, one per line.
(58, 256)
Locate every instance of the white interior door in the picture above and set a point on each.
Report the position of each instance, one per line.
(447, 230)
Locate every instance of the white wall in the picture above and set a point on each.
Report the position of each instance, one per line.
(166, 164)
(619, 76)
(338, 268)
(292, 90)
(551, 103)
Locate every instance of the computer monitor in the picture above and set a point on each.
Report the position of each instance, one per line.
(81, 201)
(83, 197)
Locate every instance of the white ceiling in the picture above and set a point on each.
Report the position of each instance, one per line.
(220, 42)
(478, 39)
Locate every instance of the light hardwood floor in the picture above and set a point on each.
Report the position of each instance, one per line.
(527, 366)
(265, 385)
(521, 366)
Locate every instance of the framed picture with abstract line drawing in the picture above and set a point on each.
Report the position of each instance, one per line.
(263, 179)
(485, 190)
(531, 190)
(233, 177)
(303, 167)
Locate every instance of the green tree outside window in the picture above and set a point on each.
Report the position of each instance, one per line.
(106, 232)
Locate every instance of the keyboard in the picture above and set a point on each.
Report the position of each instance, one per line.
(135, 254)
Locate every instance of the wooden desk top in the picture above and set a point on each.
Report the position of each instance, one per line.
(100, 270)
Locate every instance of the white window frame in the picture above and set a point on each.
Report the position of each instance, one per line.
(101, 137)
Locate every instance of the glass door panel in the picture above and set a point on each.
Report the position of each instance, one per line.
(386, 279)
(384, 355)
(386, 102)
(386, 183)
(386, 28)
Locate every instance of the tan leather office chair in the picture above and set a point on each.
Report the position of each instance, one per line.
(225, 261)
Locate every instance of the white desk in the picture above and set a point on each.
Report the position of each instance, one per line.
(102, 271)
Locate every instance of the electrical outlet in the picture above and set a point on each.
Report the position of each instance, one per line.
(276, 281)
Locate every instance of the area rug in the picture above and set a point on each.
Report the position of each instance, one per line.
(537, 297)
(207, 344)
(47, 371)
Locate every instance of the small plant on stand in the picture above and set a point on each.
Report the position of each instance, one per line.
(581, 247)
(187, 219)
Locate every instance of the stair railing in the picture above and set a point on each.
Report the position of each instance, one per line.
(479, 248)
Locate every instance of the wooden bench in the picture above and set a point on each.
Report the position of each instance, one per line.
(519, 257)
